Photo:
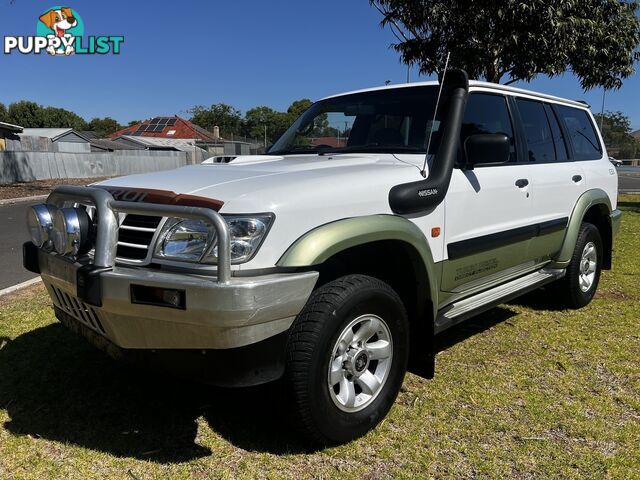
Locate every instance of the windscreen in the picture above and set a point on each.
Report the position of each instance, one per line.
(394, 120)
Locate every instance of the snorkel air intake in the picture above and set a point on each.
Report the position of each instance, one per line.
(415, 197)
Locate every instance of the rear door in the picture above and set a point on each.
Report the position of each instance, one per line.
(488, 209)
(557, 182)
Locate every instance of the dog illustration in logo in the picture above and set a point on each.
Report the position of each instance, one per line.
(60, 21)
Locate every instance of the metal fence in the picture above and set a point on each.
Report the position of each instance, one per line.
(29, 166)
(632, 162)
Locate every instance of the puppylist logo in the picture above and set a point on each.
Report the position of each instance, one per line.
(60, 31)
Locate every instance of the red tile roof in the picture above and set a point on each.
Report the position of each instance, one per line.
(166, 127)
(331, 141)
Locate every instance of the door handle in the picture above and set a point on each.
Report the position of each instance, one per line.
(522, 182)
(576, 178)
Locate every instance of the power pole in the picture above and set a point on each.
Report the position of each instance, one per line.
(604, 93)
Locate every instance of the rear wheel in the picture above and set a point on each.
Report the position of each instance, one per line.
(346, 358)
(579, 285)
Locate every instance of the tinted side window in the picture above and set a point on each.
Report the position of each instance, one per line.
(487, 113)
(581, 133)
(558, 137)
(537, 131)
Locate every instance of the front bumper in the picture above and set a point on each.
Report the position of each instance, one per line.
(233, 329)
(217, 315)
(233, 367)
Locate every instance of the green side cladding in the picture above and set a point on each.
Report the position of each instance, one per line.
(474, 273)
(584, 203)
(323, 242)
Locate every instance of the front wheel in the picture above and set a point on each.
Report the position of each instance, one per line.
(346, 358)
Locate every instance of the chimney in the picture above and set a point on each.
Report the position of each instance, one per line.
(216, 132)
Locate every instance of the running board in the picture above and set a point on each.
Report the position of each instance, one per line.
(470, 306)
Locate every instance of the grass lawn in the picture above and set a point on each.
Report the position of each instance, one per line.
(520, 392)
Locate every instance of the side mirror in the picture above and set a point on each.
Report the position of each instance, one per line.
(486, 149)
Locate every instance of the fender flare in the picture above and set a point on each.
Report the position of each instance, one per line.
(587, 200)
(323, 242)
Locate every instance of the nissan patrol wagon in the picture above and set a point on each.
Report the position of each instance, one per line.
(379, 219)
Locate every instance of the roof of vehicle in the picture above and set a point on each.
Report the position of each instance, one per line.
(474, 83)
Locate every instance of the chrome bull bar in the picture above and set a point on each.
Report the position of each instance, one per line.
(107, 222)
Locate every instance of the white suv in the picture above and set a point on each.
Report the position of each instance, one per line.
(379, 219)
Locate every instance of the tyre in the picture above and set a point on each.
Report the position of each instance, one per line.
(579, 285)
(346, 358)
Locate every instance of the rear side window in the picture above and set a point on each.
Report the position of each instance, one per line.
(582, 133)
(537, 131)
(487, 113)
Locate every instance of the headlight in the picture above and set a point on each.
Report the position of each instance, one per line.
(184, 240)
(40, 224)
(195, 240)
(72, 231)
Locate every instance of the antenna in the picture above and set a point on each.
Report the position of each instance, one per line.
(433, 122)
(604, 93)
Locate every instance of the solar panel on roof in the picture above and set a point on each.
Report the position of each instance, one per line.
(154, 120)
(172, 121)
(158, 128)
(141, 128)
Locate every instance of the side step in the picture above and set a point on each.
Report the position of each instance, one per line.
(470, 306)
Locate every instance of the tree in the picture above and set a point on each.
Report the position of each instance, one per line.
(26, 114)
(257, 118)
(221, 115)
(4, 115)
(53, 117)
(104, 127)
(617, 133)
(31, 115)
(597, 40)
(297, 108)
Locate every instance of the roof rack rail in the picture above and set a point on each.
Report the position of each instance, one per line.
(584, 103)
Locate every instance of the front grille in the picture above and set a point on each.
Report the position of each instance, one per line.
(135, 236)
(77, 309)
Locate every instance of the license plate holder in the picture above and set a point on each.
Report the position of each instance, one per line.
(59, 268)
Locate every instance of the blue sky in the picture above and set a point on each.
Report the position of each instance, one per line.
(245, 53)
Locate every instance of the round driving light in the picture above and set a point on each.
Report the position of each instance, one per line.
(72, 231)
(40, 223)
